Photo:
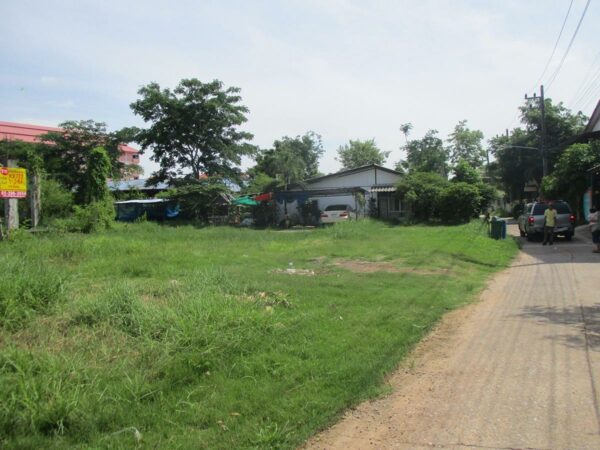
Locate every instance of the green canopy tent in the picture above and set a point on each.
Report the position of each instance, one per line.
(245, 200)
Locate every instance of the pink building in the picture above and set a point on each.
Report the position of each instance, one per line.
(31, 133)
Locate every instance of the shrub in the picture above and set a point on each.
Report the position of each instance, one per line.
(422, 191)
(459, 202)
(56, 200)
(90, 218)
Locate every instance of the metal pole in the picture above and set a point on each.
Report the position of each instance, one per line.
(543, 141)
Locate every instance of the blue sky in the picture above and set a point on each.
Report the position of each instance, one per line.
(344, 69)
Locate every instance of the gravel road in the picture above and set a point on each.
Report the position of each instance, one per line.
(519, 369)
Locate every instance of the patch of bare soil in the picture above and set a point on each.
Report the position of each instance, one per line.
(362, 266)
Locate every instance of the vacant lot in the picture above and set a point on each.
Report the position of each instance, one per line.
(160, 337)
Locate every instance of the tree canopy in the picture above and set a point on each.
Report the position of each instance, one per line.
(427, 154)
(517, 156)
(466, 145)
(193, 129)
(360, 153)
(290, 159)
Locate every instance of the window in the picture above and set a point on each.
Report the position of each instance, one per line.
(136, 156)
(396, 206)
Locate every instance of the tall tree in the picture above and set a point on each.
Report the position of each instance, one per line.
(291, 159)
(466, 145)
(360, 153)
(193, 129)
(427, 154)
(406, 128)
(569, 178)
(66, 158)
(518, 156)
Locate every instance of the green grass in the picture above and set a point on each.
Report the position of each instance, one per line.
(160, 337)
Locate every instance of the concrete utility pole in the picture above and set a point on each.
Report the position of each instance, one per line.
(542, 106)
(11, 206)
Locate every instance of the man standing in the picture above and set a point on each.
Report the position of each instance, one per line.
(549, 224)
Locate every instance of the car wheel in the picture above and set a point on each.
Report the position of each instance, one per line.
(530, 237)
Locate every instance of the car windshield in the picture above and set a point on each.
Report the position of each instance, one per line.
(337, 208)
(561, 208)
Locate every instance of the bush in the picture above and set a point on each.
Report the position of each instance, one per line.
(459, 202)
(422, 190)
(90, 218)
(56, 200)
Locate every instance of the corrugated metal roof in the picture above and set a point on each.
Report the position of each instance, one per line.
(383, 188)
(128, 185)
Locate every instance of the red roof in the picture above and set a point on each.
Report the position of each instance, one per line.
(31, 133)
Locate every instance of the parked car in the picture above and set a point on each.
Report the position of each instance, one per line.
(337, 213)
(531, 221)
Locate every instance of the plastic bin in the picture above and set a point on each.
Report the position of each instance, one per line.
(497, 228)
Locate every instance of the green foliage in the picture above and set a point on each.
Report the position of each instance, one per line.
(68, 158)
(422, 190)
(98, 169)
(569, 178)
(465, 172)
(459, 202)
(291, 159)
(427, 154)
(193, 128)
(466, 145)
(360, 153)
(55, 199)
(90, 218)
(516, 166)
(197, 198)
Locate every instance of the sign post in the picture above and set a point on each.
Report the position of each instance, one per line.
(13, 186)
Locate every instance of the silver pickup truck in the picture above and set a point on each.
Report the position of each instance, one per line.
(531, 222)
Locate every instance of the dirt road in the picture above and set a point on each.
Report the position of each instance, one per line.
(518, 370)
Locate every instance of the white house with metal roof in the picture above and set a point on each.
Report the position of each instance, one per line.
(368, 189)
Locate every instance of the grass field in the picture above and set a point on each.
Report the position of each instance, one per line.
(161, 337)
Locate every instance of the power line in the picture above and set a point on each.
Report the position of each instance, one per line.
(554, 75)
(585, 81)
(554, 49)
(589, 89)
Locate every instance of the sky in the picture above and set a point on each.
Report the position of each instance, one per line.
(344, 69)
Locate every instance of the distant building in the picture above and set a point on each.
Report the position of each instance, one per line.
(31, 133)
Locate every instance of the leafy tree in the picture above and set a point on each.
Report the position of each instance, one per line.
(94, 187)
(515, 165)
(196, 197)
(360, 153)
(427, 154)
(466, 144)
(405, 128)
(570, 179)
(464, 172)
(291, 159)
(67, 156)
(193, 129)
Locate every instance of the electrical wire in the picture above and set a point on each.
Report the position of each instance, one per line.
(585, 82)
(554, 49)
(589, 89)
(556, 72)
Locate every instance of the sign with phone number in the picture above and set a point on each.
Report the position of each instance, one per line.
(13, 182)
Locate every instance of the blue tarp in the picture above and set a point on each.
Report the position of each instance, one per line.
(154, 209)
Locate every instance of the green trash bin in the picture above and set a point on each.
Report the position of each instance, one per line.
(497, 228)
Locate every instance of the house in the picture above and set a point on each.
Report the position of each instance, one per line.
(368, 189)
(592, 196)
(32, 133)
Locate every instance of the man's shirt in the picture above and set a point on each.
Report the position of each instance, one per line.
(550, 216)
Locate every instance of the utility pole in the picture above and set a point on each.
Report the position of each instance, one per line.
(542, 106)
